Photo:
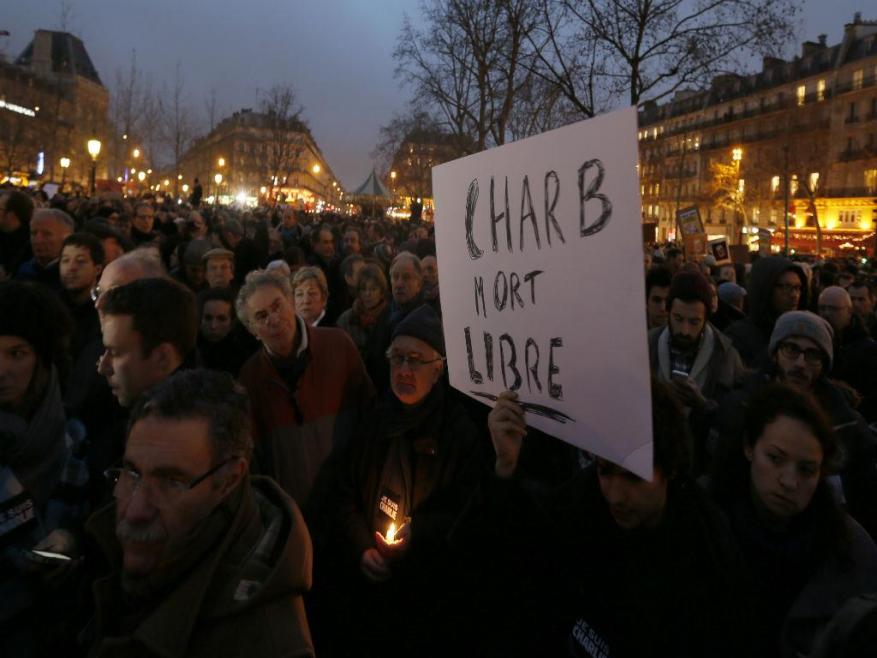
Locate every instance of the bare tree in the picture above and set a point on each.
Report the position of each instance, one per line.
(649, 49)
(175, 120)
(133, 110)
(286, 133)
(471, 61)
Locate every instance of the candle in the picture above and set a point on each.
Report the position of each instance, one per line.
(391, 533)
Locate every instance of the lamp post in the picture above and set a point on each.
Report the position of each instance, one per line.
(218, 179)
(65, 163)
(393, 179)
(94, 151)
(737, 157)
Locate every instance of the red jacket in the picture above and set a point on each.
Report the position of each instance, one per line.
(331, 392)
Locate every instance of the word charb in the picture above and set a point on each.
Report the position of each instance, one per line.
(500, 215)
(518, 364)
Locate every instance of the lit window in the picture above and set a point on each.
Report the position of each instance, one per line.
(741, 186)
(794, 184)
(820, 90)
(871, 180)
(774, 183)
(814, 180)
(801, 94)
(858, 79)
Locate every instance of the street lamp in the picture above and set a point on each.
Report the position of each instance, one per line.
(218, 179)
(316, 169)
(136, 152)
(221, 162)
(65, 162)
(737, 157)
(93, 151)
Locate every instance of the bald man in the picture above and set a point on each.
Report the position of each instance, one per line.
(855, 351)
(133, 266)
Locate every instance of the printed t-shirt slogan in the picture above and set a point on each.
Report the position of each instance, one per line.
(539, 245)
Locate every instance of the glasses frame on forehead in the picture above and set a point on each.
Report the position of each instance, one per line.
(414, 360)
(164, 490)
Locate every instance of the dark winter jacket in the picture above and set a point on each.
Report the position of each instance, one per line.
(855, 362)
(571, 582)
(242, 597)
(15, 249)
(752, 334)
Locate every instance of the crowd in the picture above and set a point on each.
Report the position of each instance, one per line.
(230, 432)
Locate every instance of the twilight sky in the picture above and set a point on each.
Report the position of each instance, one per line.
(337, 54)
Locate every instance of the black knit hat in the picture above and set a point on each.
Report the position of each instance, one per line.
(34, 313)
(690, 286)
(425, 324)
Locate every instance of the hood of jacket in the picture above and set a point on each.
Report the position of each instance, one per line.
(762, 279)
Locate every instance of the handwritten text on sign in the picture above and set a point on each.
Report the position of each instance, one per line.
(539, 247)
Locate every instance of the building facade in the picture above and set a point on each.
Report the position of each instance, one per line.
(52, 102)
(252, 155)
(796, 140)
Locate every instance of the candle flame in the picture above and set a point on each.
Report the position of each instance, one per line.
(391, 533)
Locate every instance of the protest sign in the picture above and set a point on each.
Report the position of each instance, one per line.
(720, 251)
(540, 268)
(689, 221)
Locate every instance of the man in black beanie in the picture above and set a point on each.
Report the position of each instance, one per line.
(695, 358)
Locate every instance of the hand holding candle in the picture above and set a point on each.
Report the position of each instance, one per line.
(394, 544)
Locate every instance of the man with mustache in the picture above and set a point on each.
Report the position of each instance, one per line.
(697, 360)
(801, 356)
(206, 560)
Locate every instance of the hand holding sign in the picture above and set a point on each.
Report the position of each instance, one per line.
(507, 430)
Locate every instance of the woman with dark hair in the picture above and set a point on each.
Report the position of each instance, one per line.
(805, 555)
(367, 322)
(35, 464)
(608, 563)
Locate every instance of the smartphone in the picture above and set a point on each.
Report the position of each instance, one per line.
(46, 557)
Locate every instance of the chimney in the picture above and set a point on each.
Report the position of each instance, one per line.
(809, 48)
(822, 38)
(857, 18)
(41, 61)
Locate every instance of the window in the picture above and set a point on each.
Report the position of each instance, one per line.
(814, 180)
(774, 183)
(801, 94)
(793, 185)
(820, 90)
(871, 180)
(858, 79)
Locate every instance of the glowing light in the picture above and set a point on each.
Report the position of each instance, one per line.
(65, 162)
(241, 197)
(316, 169)
(18, 109)
(185, 187)
(221, 162)
(141, 176)
(391, 533)
(218, 179)
(136, 153)
(94, 148)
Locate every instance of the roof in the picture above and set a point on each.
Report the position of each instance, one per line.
(68, 56)
(371, 187)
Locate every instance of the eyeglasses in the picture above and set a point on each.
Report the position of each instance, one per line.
(788, 287)
(792, 351)
(261, 318)
(164, 490)
(414, 361)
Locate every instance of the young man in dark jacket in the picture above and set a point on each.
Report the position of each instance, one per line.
(776, 285)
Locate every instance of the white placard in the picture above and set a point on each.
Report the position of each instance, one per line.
(540, 267)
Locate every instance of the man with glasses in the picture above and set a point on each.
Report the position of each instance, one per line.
(307, 385)
(142, 224)
(205, 560)
(776, 285)
(801, 356)
(412, 465)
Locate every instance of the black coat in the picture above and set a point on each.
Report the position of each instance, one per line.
(568, 581)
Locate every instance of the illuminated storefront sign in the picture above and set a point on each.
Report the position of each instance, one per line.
(12, 107)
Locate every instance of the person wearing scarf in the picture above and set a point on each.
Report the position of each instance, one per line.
(412, 466)
(367, 321)
(39, 477)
